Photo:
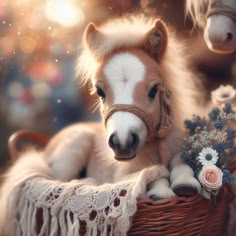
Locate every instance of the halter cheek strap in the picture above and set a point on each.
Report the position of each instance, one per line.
(220, 8)
(166, 113)
(166, 117)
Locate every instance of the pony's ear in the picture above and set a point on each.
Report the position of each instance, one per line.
(92, 37)
(156, 40)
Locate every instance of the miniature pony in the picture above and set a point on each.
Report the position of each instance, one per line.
(218, 19)
(140, 73)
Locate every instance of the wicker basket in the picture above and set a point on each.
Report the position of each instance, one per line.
(192, 216)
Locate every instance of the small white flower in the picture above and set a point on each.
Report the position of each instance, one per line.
(224, 94)
(208, 156)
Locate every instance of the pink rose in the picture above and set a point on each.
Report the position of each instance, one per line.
(210, 177)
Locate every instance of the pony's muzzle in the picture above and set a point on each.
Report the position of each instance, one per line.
(220, 39)
(128, 150)
(220, 33)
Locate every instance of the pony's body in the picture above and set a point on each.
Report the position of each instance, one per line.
(218, 19)
(134, 68)
(95, 154)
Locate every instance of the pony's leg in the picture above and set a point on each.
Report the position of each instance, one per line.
(160, 189)
(69, 151)
(182, 179)
(155, 180)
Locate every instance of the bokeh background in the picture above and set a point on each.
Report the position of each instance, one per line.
(39, 43)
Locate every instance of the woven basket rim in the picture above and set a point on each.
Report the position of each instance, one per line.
(225, 192)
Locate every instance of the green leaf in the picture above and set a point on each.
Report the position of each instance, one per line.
(206, 194)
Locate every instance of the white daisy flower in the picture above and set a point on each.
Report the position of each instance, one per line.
(224, 94)
(208, 156)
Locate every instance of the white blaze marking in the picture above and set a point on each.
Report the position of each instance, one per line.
(123, 72)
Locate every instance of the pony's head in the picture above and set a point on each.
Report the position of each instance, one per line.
(218, 19)
(132, 64)
(129, 81)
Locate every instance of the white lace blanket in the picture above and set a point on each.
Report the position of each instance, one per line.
(30, 195)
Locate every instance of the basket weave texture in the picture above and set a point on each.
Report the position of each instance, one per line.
(181, 216)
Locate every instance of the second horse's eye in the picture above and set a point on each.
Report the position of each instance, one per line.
(100, 93)
(152, 92)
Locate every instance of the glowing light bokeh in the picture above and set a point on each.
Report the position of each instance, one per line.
(27, 44)
(64, 12)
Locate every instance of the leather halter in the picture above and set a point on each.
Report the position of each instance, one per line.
(155, 131)
(221, 9)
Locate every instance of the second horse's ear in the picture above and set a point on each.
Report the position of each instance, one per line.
(156, 40)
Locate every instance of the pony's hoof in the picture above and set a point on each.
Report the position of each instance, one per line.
(158, 195)
(155, 197)
(186, 186)
(185, 190)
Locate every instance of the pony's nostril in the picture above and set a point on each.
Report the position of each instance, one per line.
(114, 142)
(111, 141)
(229, 37)
(133, 140)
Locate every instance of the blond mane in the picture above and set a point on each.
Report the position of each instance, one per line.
(130, 32)
(196, 10)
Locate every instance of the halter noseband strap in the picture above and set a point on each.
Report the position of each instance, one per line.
(166, 116)
(220, 8)
(132, 109)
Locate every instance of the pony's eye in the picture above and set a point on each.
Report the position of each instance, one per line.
(100, 93)
(152, 92)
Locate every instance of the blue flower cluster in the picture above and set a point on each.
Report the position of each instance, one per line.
(196, 122)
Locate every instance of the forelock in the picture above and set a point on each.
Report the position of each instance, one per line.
(197, 9)
(118, 33)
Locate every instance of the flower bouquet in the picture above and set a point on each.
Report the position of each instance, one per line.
(210, 147)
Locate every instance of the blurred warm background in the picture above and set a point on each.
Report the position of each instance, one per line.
(39, 43)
